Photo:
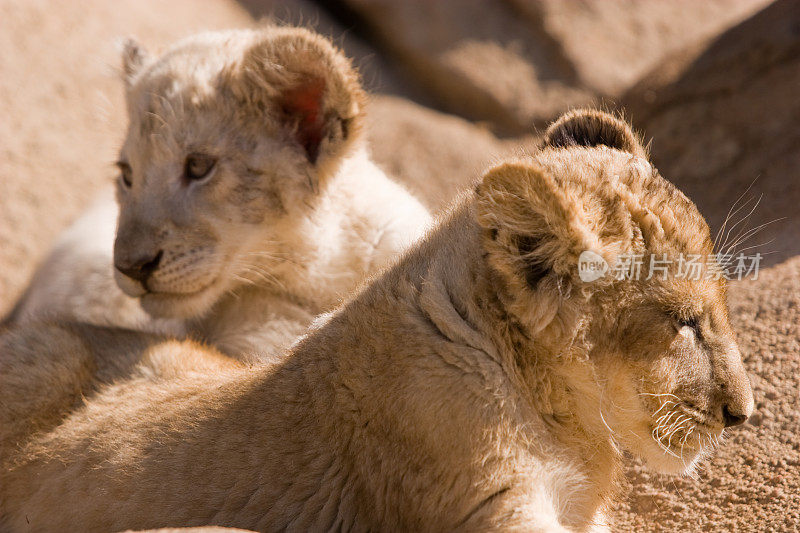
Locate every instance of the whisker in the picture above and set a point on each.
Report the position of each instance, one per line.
(659, 394)
(750, 233)
(741, 220)
(756, 246)
(731, 212)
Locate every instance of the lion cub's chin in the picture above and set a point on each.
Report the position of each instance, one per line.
(673, 460)
(171, 305)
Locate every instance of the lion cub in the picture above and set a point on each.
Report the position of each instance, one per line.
(247, 200)
(480, 384)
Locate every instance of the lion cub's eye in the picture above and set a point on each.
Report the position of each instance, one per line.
(691, 322)
(198, 166)
(126, 173)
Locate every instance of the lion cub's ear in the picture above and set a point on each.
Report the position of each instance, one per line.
(308, 85)
(134, 56)
(536, 227)
(589, 127)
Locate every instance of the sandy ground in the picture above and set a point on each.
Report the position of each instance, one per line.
(62, 120)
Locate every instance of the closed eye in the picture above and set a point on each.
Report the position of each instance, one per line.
(690, 322)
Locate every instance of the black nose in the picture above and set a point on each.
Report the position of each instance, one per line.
(141, 268)
(732, 418)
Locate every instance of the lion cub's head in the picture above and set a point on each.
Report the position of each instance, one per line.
(593, 246)
(231, 135)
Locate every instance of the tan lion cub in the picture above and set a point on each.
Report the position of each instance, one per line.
(247, 200)
(478, 385)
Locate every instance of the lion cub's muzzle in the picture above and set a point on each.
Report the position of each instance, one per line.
(737, 401)
(139, 268)
(735, 393)
(168, 269)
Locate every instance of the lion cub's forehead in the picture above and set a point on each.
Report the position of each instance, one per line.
(671, 232)
(613, 181)
(189, 71)
(198, 59)
(179, 102)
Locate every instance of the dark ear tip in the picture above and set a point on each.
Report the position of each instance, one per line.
(590, 127)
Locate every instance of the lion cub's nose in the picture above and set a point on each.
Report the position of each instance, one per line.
(733, 418)
(140, 268)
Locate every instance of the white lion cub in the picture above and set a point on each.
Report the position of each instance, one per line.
(247, 200)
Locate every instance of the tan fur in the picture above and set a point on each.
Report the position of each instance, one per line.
(477, 385)
(292, 215)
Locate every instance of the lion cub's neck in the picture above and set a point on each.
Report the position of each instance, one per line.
(566, 395)
(563, 388)
(359, 221)
(550, 362)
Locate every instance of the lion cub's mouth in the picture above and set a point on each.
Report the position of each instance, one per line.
(680, 434)
(183, 305)
(687, 445)
(680, 429)
(178, 295)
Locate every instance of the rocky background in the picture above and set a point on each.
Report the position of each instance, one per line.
(458, 84)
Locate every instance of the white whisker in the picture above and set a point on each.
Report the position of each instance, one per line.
(731, 212)
(741, 220)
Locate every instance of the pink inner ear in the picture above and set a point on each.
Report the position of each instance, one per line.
(304, 103)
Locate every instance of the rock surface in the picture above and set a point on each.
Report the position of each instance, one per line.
(612, 44)
(515, 63)
(433, 154)
(723, 115)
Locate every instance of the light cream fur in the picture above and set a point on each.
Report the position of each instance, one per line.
(292, 215)
(477, 385)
